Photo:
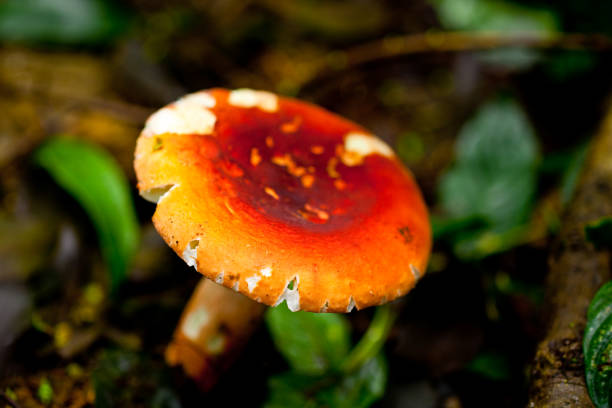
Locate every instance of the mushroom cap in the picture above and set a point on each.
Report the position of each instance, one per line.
(282, 200)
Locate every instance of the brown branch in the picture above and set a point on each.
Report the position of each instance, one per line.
(576, 271)
(454, 41)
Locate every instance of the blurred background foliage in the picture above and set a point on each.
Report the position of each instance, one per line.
(495, 135)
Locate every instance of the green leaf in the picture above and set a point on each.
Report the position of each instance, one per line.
(597, 345)
(312, 343)
(93, 178)
(89, 22)
(490, 365)
(599, 232)
(356, 390)
(493, 179)
(494, 15)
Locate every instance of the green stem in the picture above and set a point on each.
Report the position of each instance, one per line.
(373, 339)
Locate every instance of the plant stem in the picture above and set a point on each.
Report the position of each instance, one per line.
(373, 339)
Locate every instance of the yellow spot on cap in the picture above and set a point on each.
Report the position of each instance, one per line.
(270, 191)
(255, 157)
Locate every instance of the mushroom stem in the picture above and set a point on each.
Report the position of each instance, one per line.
(215, 325)
(373, 339)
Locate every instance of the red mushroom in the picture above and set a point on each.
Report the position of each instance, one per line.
(283, 201)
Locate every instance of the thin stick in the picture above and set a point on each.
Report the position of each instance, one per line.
(451, 41)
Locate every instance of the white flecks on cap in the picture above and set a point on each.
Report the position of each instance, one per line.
(359, 145)
(266, 271)
(156, 194)
(219, 277)
(198, 98)
(190, 254)
(188, 115)
(248, 98)
(236, 286)
(415, 272)
(194, 322)
(351, 305)
(291, 296)
(252, 282)
(324, 307)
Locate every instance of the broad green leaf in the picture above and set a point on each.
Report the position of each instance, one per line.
(443, 227)
(312, 343)
(93, 178)
(490, 365)
(600, 232)
(597, 346)
(493, 179)
(356, 390)
(61, 21)
(494, 15)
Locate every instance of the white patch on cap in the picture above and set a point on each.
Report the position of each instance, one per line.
(190, 254)
(194, 322)
(219, 277)
(415, 272)
(198, 98)
(156, 194)
(324, 307)
(252, 282)
(267, 271)
(351, 305)
(291, 296)
(189, 115)
(248, 98)
(236, 286)
(359, 145)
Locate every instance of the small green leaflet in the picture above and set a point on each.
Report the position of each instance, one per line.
(93, 178)
(493, 179)
(597, 346)
(599, 232)
(74, 22)
(312, 343)
(356, 390)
